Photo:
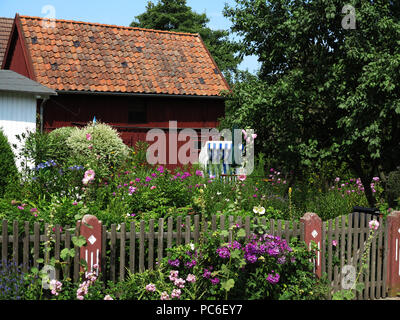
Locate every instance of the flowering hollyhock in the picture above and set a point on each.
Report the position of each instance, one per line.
(273, 278)
(88, 177)
(242, 177)
(55, 287)
(373, 225)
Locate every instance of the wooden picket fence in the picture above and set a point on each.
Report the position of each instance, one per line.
(138, 246)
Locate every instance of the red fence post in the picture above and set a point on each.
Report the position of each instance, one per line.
(91, 252)
(393, 258)
(313, 232)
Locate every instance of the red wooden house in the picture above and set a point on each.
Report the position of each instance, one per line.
(134, 79)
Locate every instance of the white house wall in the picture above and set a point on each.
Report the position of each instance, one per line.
(17, 115)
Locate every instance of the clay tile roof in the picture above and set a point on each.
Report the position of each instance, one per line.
(106, 58)
(5, 30)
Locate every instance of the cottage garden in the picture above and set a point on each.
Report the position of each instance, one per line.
(77, 171)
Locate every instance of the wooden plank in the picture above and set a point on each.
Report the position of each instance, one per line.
(67, 245)
(272, 226)
(113, 253)
(349, 237)
(367, 274)
(196, 233)
(160, 240)
(362, 247)
(188, 224)
(279, 228)
(141, 245)
(230, 224)
(336, 255)
(15, 242)
(287, 231)
(57, 246)
(342, 242)
(132, 247)
(122, 245)
(4, 241)
(178, 230)
(378, 292)
(373, 267)
(385, 258)
(150, 242)
(104, 263)
(213, 222)
(329, 247)
(36, 243)
(222, 226)
(170, 230)
(247, 225)
(25, 252)
(76, 258)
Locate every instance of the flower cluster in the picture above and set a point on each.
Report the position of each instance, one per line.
(47, 164)
(55, 287)
(273, 277)
(88, 177)
(269, 245)
(207, 273)
(76, 168)
(90, 278)
(11, 281)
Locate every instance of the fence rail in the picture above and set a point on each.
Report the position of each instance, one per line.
(138, 246)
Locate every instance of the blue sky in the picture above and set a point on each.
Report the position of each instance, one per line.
(118, 12)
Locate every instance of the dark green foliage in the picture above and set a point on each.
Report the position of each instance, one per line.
(175, 15)
(393, 188)
(8, 169)
(323, 92)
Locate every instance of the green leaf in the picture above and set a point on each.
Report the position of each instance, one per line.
(228, 285)
(224, 233)
(241, 233)
(40, 260)
(360, 287)
(79, 241)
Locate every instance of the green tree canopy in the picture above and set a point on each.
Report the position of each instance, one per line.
(324, 91)
(176, 15)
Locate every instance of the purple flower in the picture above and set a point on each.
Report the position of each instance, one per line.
(154, 175)
(207, 274)
(223, 252)
(174, 263)
(160, 169)
(215, 281)
(273, 279)
(148, 179)
(137, 179)
(20, 207)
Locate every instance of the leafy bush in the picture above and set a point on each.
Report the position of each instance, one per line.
(393, 188)
(61, 153)
(8, 169)
(99, 147)
(12, 281)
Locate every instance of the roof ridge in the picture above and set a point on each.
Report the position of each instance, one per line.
(114, 26)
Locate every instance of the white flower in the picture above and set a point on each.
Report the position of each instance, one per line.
(259, 209)
(191, 246)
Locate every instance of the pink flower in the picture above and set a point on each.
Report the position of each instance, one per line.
(164, 296)
(176, 293)
(334, 243)
(151, 287)
(89, 176)
(20, 207)
(88, 136)
(180, 283)
(191, 278)
(173, 275)
(74, 203)
(34, 210)
(242, 177)
(374, 225)
(152, 187)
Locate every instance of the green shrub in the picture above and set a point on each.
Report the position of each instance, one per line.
(61, 151)
(393, 188)
(8, 169)
(98, 147)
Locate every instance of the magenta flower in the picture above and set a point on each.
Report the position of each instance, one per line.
(34, 210)
(20, 207)
(273, 279)
(152, 187)
(334, 243)
(215, 281)
(242, 177)
(373, 225)
(88, 136)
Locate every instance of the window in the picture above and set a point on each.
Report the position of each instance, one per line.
(137, 113)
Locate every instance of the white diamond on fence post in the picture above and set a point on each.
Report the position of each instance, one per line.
(92, 239)
(314, 234)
